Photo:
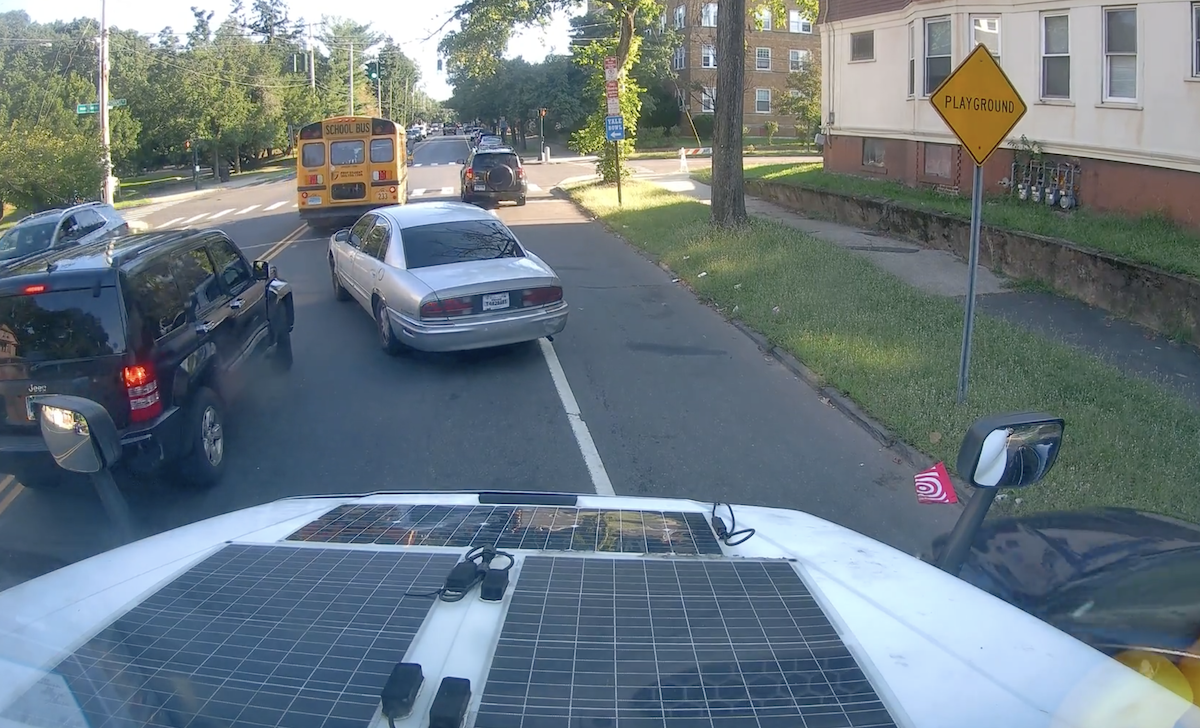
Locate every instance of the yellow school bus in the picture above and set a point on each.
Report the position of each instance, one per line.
(348, 165)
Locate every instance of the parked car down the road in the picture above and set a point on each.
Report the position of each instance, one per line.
(445, 276)
(78, 225)
(159, 328)
(493, 175)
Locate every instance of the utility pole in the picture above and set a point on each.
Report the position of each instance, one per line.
(407, 101)
(379, 95)
(312, 66)
(351, 79)
(106, 192)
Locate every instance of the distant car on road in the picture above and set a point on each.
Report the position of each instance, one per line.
(495, 175)
(158, 328)
(444, 276)
(489, 141)
(78, 225)
(450, 130)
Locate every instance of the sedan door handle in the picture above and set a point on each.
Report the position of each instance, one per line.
(237, 303)
(205, 327)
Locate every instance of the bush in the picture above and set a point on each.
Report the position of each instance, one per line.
(772, 128)
(704, 125)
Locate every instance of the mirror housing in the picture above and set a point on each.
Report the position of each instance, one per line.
(342, 235)
(79, 433)
(263, 271)
(1010, 451)
(460, 161)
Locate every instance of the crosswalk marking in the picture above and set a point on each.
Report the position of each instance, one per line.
(191, 220)
(248, 209)
(534, 188)
(169, 223)
(222, 213)
(295, 204)
(447, 190)
(277, 204)
(417, 192)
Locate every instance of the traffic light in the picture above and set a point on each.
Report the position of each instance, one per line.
(541, 112)
(373, 70)
(187, 145)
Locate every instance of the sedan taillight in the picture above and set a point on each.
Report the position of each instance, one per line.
(447, 307)
(542, 296)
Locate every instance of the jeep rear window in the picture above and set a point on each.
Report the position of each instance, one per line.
(61, 325)
(487, 161)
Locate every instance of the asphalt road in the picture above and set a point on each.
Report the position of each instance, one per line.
(676, 401)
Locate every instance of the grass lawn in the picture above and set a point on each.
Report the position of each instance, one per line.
(894, 350)
(1150, 239)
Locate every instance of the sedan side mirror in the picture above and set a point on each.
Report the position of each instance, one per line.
(342, 235)
(79, 433)
(262, 271)
(461, 161)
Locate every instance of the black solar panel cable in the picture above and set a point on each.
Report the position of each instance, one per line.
(728, 534)
(467, 574)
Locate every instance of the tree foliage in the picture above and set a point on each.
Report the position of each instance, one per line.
(804, 97)
(239, 89)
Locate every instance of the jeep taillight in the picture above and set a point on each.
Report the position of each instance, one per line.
(141, 387)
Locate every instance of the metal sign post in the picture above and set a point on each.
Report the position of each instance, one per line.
(981, 107)
(614, 122)
(614, 131)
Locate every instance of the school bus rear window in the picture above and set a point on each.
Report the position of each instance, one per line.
(382, 151)
(313, 155)
(341, 153)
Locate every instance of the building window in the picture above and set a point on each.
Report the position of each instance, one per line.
(678, 60)
(679, 98)
(1120, 54)
(708, 100)
(1196, 39)
(912, 59)
(985, 29)
(1056, 57)
(797, 23)
(762, 59)
(794, 93)
(762, 100)
(662, 23)
(708, 56)
(764, 17)
(862, 46)
(708, 15)
(796, 60)
(937, 53)
(872, 152)
(938, 160)
(680, 16)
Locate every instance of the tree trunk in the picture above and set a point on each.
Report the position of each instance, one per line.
(728, 183)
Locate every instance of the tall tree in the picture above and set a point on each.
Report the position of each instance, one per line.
(728, 182)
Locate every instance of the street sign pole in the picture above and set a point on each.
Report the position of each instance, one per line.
(614, 122)
(981, 106)
(617, 157)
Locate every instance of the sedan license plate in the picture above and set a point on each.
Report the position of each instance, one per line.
(495, 301)
(482, 188)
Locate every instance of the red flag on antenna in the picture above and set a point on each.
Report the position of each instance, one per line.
(934, 486)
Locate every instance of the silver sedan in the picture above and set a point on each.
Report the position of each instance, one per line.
(445, 276)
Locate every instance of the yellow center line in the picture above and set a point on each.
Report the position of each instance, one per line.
(288, 240)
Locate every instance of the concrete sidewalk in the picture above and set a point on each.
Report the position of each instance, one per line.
(1127, 346)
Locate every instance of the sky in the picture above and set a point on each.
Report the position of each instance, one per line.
(409, 27)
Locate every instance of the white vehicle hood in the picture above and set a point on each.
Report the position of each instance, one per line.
(936, 651)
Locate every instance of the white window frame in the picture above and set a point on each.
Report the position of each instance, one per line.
(708, 15)
(1196, 40)
(925, 47)
(680, 16)
(1108, 97)
(999, 32)
(1044, 55)
(708, 56)
(662, 22)
(708, 100)
(797, 23)
(870, 33)
(796, 59)
(759, 57)
(912, 59)
(757, 93)
(679, 98)
(764, 17)
(679, 59)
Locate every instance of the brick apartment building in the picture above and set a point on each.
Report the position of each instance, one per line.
(771, 54)
(1113, 91)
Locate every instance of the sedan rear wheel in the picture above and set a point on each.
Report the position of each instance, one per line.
(339, 291)
(387, 337)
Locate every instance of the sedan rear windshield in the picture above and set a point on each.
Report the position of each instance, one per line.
(61, 325)
(457, 242)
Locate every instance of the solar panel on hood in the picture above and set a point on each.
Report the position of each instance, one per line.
(256, 636)
(666, 643)
(516, 527)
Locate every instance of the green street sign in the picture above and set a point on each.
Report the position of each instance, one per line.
(95, 108)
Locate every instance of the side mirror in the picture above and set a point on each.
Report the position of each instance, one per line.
(342, 235)
(262, 270)
(79, 433)
(1000, 451)
(461, 161)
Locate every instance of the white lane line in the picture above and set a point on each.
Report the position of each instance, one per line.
(191, 220)
(222, 213)
(591, 456)
(169, 223)
(419, 165)
(248, 209)
(277, 204)
(447, 190)
(534, 188)
(417, 192)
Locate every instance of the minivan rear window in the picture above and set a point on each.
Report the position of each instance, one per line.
(61, 325)
(456, 242)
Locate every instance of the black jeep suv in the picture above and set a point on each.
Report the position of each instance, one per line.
(493, 175)
(160, 328)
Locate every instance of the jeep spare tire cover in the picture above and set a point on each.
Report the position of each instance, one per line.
(501, 177)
